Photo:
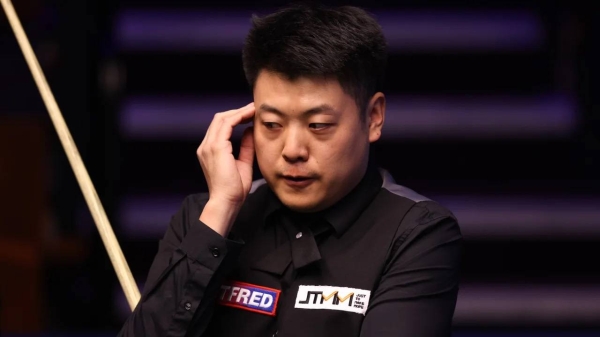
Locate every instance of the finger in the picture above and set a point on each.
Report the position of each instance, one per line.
(229, 123)
(218, 119)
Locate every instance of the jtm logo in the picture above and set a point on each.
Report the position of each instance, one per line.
(249, 297)
(332, 298)
(335, 295)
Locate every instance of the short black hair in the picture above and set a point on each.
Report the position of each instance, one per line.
(305, 40)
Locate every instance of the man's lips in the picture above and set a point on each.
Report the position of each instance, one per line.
(296, 178)
(297, 181)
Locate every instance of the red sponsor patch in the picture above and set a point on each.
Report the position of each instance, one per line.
(249, 297)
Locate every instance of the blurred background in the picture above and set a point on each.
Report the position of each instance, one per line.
(493, 110)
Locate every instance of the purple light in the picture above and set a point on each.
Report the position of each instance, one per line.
(405, 30)
(505, 304)
(406, 117)
(527, 304)
(479, 216)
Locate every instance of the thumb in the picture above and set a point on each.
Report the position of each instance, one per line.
(246, 158)
(246, 155)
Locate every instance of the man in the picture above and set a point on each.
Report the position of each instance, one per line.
(327, 244)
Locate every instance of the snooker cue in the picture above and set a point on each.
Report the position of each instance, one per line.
(89, 192)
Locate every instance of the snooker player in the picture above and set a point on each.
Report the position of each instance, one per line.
(326, 244)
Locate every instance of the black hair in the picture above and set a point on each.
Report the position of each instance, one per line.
(302, 40)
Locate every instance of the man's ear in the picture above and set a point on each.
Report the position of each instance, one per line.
(376, 116)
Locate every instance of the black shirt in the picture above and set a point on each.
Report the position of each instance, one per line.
(383, 261)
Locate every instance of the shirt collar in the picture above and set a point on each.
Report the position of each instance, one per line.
(346, 211)
(342, 214)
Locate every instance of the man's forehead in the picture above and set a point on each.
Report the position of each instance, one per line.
(276, 94)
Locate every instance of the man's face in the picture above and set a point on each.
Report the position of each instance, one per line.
(311, 145)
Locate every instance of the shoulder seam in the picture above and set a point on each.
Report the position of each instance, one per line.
(256, 184)
(391, 186)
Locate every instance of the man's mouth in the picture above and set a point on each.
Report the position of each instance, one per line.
(296, 178)
(298, 181)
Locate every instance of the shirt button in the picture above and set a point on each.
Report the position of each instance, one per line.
(215, 252)
(299, 235)
(188, 305)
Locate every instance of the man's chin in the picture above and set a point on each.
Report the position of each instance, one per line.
(301, 204)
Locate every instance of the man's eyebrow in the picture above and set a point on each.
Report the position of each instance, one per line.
(312, 111)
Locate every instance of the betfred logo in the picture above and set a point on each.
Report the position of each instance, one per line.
(249, 297)
(333, 298)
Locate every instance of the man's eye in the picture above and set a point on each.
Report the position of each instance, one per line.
(318, 126)
(271, 125)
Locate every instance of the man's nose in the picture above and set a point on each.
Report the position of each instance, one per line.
(295, 148)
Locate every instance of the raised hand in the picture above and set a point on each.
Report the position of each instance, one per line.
(229, 179)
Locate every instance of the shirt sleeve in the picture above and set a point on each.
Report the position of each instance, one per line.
(417, 293)
(185, 276)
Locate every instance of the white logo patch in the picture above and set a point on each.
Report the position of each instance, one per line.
(333, 298)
